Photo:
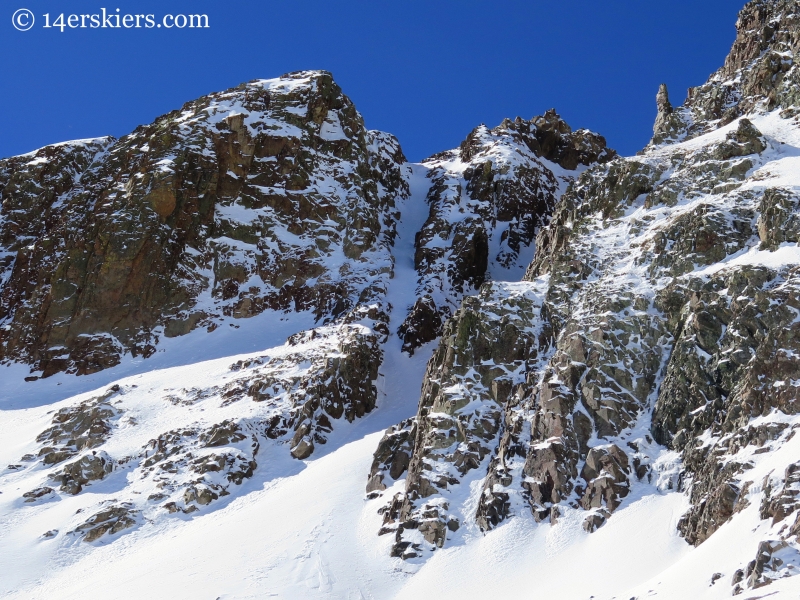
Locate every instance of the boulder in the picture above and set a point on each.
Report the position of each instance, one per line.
(111, 520)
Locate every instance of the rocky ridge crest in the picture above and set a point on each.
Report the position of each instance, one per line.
(487, 199)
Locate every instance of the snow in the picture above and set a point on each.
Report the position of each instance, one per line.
(786, 255)
(281, 541)
(98, 141)
(560, 561)
(331, 129)
(266, 330)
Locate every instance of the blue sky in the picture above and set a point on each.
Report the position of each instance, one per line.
(425, 71)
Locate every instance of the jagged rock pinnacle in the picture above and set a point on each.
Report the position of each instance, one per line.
(665, 110)
(662, 100)
(668, 125)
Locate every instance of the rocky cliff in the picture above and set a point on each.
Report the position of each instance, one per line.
(271, 196)
(652, 344)
(268, 197)
(487, 199)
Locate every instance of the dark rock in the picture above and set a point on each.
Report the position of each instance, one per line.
(595, 521)
(709, 514)
(108, 242)
(778, 504)
(91, 467)
(222, 434)
(606, 474)
(555, 141)
(662, 100)
(341, 385)
(37, 494)
(505, 191)
(392, 455)
(302, 448)
(669, 124)
(461, 413)
(423, 324)
(199, 494)
(746, 139)
(775, 559)
(77, 428)
(111, 520)
(779, 218)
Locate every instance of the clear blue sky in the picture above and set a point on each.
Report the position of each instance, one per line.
(426, 71)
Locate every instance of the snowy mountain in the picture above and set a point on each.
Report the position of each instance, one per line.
(249, 351)
(271, 196)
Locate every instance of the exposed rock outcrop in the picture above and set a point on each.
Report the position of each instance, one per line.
(760, 74)
(235, 204)
(668, 125)
(287, 400)
(90, 467)
(111, 520)
(78, 428)
(487, 200)
(472, 385)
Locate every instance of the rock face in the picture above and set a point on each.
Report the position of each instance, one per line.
(268, 197)
(237, 203)
(487, 200)
(658, 318)
(78, 428)
(668, 125)
(90, 467)
(111, 520)
(663, 103)
(476, 373)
